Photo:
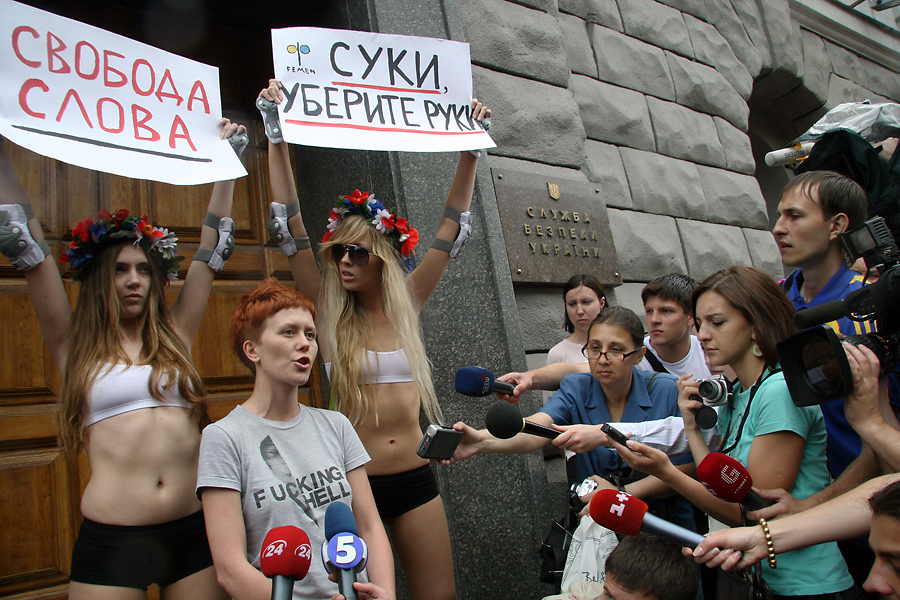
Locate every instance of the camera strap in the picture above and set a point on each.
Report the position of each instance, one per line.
(765, 375)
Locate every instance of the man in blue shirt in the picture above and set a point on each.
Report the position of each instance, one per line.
(815, 208)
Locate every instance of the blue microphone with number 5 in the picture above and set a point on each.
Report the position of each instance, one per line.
(343, 552)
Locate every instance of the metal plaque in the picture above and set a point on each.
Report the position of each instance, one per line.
(554, 228)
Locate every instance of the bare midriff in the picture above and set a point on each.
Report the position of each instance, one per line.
(391, 431)
(143, 467)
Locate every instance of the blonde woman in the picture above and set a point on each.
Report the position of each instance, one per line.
(131, 397)
(368, 323)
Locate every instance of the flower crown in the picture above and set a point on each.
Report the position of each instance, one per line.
(89, 238)
(397, 230)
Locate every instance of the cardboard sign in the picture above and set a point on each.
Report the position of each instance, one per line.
(101, 101)
(370, 91)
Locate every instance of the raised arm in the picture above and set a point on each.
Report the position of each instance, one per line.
(216, 245)
(44, 282)
(425, 279)
(295, 242)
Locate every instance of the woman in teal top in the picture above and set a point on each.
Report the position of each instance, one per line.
(741, 314)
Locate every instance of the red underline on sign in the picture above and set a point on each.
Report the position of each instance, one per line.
(385, 88)
(372, 128)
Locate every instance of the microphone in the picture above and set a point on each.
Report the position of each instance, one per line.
(343, 552)
(504, 421)
(729, 480)
(625, 514)
(477, 382)
(285, 558)
(822, 313)
(787, 156)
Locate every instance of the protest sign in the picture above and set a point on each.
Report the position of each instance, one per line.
(101, 101)
(370, 91)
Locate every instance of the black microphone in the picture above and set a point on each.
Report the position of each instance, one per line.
(475, 381)
(504, 421)
(822, 313)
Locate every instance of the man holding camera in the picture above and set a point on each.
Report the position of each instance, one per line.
(817, 207)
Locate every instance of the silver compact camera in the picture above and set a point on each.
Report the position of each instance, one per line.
(714, 390)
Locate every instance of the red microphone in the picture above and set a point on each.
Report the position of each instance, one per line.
(625, 514)
(728, 479)
(284, 558)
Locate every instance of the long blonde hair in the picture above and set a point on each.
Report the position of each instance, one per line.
(94, 343)
(349, 328)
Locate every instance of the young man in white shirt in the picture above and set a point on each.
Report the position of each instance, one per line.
(672, 348)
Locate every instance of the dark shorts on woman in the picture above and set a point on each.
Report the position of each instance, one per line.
(136, 556)
(400, 493)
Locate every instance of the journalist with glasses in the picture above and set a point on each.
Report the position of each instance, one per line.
(612, 391)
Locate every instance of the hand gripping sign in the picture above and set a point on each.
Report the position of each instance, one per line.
(370, 91)
(101, 101)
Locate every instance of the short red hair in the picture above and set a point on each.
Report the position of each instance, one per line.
(257, 305)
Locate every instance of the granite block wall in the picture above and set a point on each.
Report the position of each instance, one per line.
(667, 106)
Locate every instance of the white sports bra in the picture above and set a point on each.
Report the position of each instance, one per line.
(393, 367)
(121, 389)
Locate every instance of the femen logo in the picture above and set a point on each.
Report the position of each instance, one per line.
(298, 49)
(276, 548)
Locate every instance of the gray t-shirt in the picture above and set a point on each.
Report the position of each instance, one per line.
(287, 474)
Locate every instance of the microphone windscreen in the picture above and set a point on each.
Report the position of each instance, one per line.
(285, 551)
(339, 519)
(621, 512)
(819, 314)
(474, 381)
(724, 477)
(504, 420)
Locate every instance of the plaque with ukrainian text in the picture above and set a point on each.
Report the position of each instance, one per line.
(554, 228)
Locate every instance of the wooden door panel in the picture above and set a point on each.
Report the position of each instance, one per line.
(36, 528)
(40, 487)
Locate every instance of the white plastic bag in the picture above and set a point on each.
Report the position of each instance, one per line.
(586, 561)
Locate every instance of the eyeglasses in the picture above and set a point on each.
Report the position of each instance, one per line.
(359, 256)
(593, 353)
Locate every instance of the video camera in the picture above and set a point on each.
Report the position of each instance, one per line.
(815, 365)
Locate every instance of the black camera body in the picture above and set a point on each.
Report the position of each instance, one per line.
(814, 362)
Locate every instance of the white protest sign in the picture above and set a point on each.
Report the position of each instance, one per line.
(371, 91)
(101, 101)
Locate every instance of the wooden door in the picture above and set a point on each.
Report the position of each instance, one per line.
(40, 486)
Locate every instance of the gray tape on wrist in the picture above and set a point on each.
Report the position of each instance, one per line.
(302, 243)
(452, 214)
(442, 245)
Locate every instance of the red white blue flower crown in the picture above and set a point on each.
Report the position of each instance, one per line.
(89, 238)
(403, 237)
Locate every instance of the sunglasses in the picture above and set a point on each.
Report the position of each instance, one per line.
(358, 255)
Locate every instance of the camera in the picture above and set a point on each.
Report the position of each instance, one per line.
(815, 365)
(714, 390)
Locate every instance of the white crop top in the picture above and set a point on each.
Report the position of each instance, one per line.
(393, 367)
(121, 389)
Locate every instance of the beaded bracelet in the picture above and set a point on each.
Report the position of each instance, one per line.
(770, 546)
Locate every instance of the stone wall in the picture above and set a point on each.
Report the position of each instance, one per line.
(657, 102)
(668, 107)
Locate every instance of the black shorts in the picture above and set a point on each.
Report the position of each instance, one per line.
(135, 557)
(400, 493)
